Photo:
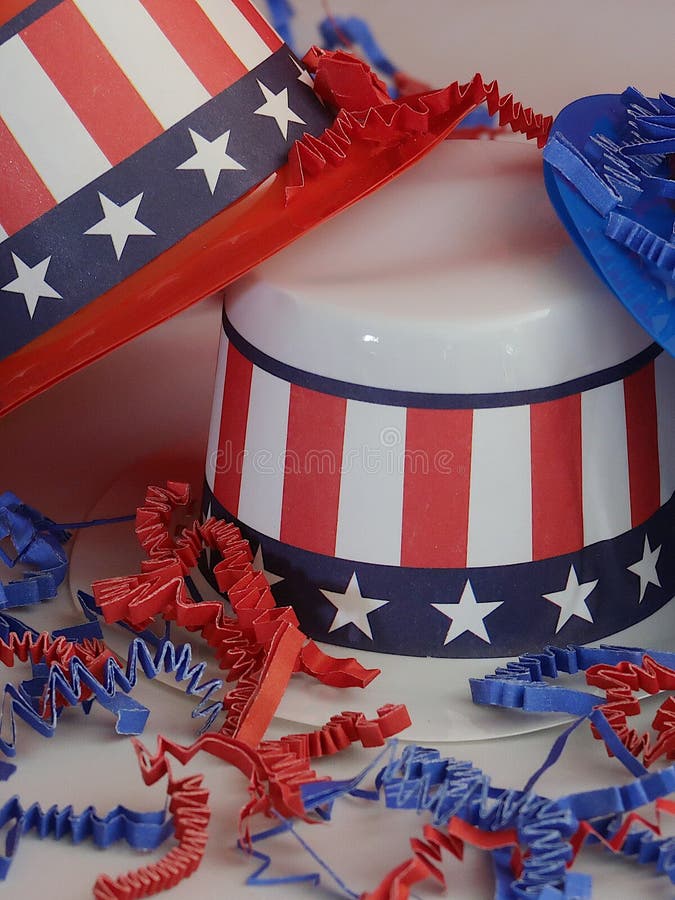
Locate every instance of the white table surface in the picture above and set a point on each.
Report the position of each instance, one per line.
(61, 451)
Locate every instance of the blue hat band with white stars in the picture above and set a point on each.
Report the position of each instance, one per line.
(495, 611)
(450, 525)
(111, 156)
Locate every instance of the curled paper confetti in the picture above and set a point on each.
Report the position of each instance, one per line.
(533, 839)
(38, 545)
(67, 679)
(261, 644)
(142, 831)
(618, 671)
(188, 804)
(609, 177)
(277, 770)
(155, 655)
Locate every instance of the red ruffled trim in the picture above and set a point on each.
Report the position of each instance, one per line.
(367, 114)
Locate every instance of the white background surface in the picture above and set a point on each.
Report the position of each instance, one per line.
(62, 450)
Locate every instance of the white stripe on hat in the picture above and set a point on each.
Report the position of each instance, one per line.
(216, 412)
(237, 31)
(664, 366)
(500, 499)
(262, 477)
(604, 456)
(147, 57)
(370, 511)
(3, 234)
(59, 147)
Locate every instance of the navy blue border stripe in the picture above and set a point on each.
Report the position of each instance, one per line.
(420, 400)
(26, 17)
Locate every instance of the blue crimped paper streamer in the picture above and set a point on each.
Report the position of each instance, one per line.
(642, 846)
(323, 795)
(522, 684)
(152, 654)
(38, 544)
(335, 30)
(608, 173)
(168, 657)
(420, 779)
(260, 879)
(141, 830)
(29, 700)
(281, 15)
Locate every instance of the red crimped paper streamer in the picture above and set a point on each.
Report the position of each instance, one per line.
(619, 682)
(235, 574)
(645, 845)
(369, 119)
(189, 808)
(428, 852)
(341, 731)
(277, 769)
(45, 648)
(59, 651)
(344, 81)
(406, 85)
(617, 841)
(330, 670)
(261, 645)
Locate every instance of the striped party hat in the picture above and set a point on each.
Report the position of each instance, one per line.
(446, 440)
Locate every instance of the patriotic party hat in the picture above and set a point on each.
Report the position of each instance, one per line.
(446, 441)
(151, 151)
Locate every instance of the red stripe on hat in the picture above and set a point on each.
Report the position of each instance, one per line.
(436, 484)
(266, 32)
(309, 511)
(23, 194)
(91, 82)
(233, 421)
(11, 8)
(191, 32)
(643, 444)
(557, 486)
